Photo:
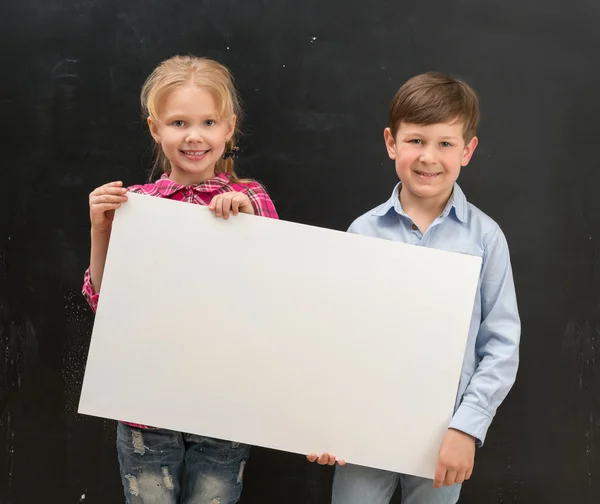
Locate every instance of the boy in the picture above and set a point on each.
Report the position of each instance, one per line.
(431, 135)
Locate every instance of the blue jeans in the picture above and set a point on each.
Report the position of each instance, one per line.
(362, 485)
(160, 466)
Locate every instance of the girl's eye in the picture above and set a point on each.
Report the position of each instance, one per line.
(178, 124)
(210, 122)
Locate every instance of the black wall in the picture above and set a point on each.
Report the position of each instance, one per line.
(316, 78)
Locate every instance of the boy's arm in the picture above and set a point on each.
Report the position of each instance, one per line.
(497, 343)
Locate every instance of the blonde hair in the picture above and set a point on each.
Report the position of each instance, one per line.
(204, 73)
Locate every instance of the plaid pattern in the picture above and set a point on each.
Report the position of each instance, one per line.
(204, 192)
(200, 194)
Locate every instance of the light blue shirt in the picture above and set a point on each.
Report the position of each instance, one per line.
(492, 353)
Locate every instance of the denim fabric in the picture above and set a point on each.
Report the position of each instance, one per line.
(363, 485)
(160, 466)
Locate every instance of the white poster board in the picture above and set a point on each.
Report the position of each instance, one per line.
(279, 335)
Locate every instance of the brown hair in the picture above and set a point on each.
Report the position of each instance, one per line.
(432, 98)
(205, 73)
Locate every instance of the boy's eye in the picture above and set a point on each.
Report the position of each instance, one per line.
(178, 124)
(446, 144)
(416, 141)
(210, 122)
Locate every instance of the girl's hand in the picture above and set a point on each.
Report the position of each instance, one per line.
(103, 202)
(231, 202)
(324, 459)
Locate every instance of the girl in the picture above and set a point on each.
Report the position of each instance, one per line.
(192, 109)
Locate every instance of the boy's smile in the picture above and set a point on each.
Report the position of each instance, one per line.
(427, 175)
(428, 160)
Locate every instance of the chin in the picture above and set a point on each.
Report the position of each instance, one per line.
(426, 192)
(196, 170)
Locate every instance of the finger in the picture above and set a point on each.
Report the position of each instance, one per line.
(111, 186)
(219, 206)
(323, 458)
(212, 205)
(450, 478)
(440, 476)
(460, 477)
(108, 198)
(105, 207)
(235, 205)
(331, 460)
(113, 191)
(341, 462)
(468, 474)
(246, 205)
(226, 207)
(312, 457)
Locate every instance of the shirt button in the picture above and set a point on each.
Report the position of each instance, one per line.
(414, 227)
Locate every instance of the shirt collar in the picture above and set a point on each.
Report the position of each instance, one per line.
(166, 187)
(457, 201)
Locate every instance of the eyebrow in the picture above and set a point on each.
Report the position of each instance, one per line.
(186, 115)
(416, 134)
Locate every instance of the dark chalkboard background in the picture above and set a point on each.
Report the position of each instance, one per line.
(316, 78)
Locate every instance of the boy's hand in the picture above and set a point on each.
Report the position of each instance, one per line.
(231, 202)
(324, 459)
(457, 457)
(104, 200)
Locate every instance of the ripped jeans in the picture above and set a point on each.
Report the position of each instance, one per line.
(160, 466)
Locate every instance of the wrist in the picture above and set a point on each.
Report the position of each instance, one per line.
(464, 434)
(100, 232)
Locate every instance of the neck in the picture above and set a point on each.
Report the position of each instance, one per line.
(190, 179)
(425, 207)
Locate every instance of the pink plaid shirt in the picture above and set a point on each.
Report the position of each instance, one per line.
(200, 194)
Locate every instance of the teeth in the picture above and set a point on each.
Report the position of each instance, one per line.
(194, 153)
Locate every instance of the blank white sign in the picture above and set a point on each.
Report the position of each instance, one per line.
(279, 335)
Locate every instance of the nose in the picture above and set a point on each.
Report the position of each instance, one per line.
(427, 156)
(193, 135)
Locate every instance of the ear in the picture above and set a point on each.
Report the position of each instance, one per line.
(469, 150)
(390, 142)
(153, 127)
(231, 129)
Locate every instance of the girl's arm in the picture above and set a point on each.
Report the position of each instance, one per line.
(99, 240)
(103, 202)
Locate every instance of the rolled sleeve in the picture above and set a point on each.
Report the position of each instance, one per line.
(88, 291)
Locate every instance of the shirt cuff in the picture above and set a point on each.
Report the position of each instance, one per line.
(472, 421)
